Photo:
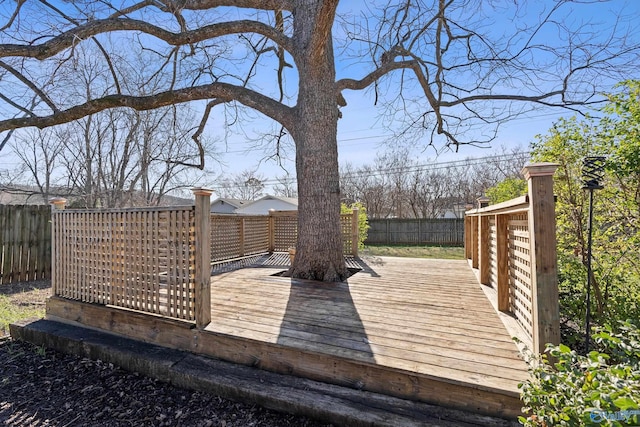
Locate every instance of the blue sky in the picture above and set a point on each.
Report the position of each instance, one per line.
(361, 135)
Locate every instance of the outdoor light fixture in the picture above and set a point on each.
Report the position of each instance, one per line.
(592, 174)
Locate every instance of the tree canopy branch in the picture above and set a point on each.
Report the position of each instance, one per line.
(325, 17)
(71, 37)
(29, 84)
(13, 17)
(247, 4)
(252, 99)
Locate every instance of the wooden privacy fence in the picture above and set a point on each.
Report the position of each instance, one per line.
(513, 246)
(158, 260)
(235, 236)
(416, 231)
(25, 243)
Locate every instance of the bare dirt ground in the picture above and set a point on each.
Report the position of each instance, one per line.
(41, 387)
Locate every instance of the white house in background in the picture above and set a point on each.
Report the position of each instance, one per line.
(227, 206)
(263, 205)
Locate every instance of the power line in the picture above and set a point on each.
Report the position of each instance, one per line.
(402, 169)
(535, 117)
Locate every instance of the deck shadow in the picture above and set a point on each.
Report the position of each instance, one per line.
(366, 265)
(281, 260)
(322, 317)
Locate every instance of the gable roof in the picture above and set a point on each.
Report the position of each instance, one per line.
(290, 200)
(19, 194)
(263, 205)
(236, 203)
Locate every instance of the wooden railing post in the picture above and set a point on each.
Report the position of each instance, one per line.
(355, 234)
(242, 236)
(474, 241)
(203, 257)
(467, 237)
(502, 255)
(542, 238)
(483, 249)
(57, 204)
(271, 232)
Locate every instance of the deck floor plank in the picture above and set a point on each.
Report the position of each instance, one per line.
(423, 317)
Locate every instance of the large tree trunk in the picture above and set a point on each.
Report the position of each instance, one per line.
(319, 251)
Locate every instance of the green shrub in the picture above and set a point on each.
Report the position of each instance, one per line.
(363, 221)
(600, 389)
(507, 189)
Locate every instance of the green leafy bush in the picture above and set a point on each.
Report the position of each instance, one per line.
(507, 189)
(600, 389)
(363, 221)
(615, 284)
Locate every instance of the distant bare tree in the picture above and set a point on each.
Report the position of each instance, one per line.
(246, 185)
(116, 157)
(428, 193)
(38, 152)
(286, 187)
(398, 186)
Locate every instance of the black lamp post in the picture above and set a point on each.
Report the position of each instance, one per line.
(592, 174)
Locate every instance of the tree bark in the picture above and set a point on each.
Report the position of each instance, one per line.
(319, 251)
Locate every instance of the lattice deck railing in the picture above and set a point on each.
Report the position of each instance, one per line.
(158, 260)
(136, 259)
(236, 236)
(512, 244)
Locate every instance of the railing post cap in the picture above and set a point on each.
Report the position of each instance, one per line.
(57, 201)
(539, 169)
(483, 201)
(200, 191)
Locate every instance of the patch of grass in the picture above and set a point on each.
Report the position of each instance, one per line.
(11, 312)
(438, 252)
(20, 303)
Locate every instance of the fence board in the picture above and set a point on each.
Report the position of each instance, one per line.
(25, 243)
(421, 231)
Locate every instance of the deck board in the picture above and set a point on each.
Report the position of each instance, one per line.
(421, 317)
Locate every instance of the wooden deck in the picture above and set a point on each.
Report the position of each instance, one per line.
(418, 329)
(414, 328)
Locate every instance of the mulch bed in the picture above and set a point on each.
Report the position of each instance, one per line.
(41, 387)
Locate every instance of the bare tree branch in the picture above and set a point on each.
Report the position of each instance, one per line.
(322, 27)
(264, 104)
(104, 52)
(19, 107)
(30, 85)
(73, 36)
(249, 4)
(15, 14)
